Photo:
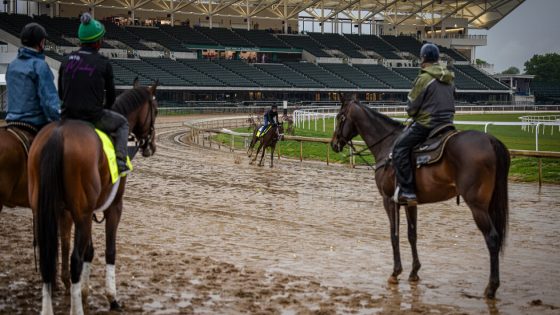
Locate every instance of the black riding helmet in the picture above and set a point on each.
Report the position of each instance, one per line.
(32, 34)
(274, 106)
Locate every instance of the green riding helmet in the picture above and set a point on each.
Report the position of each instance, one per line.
(91, 30)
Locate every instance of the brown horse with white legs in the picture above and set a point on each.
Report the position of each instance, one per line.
(68, 172)
(474, 165)
(13, 181)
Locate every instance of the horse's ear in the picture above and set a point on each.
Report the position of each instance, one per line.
(154, 87)
(342, 99)
(135, 83)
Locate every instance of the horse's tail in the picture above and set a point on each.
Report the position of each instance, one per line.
(499, 204)
(50, 204)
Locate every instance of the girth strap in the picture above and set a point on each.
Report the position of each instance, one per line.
(22, 139)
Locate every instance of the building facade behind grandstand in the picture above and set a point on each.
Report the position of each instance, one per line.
(270, 50)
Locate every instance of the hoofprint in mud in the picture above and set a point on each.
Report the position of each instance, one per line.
(203, 234)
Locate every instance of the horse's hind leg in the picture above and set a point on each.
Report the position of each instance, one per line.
(113, 217)
(86, 271)
(411, 217)
(484, 223)
(392, 210)
(65, 226)
(82, 241)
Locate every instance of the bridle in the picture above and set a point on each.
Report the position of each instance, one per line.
(144, 141)
(359, 153)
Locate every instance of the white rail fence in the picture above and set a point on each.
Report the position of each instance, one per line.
(304, 118)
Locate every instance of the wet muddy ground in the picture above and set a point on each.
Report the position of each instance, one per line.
(205, 232)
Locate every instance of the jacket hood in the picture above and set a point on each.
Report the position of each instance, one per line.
(28, 53)
(440, 73)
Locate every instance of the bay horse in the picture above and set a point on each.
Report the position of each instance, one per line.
(474, 165)
(269, 140)
(68, 172)
(13, 183)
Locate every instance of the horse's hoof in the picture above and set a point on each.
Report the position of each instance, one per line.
(490, 294)
(115, 307)
(393, 280)
(413, 278)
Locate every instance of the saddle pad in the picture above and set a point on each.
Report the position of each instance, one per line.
(260, 134)
(431, 150)
(109, 150)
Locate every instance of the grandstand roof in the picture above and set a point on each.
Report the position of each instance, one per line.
(481, 14)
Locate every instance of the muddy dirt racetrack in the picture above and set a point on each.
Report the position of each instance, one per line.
(203, 234)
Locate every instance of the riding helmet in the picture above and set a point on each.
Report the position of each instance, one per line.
(429, 53)
(274, 106)
(32, 34)
(91, 30)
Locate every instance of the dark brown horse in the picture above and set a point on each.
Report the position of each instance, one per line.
(474, 165)
(68, 172)
(13, 183)
(269, 140)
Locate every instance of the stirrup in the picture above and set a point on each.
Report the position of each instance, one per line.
(400, 198)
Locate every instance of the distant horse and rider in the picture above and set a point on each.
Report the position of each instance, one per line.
(267, 136)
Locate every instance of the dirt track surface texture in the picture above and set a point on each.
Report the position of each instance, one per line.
(202, 233)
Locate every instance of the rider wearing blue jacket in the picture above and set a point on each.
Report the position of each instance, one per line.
(32, 95)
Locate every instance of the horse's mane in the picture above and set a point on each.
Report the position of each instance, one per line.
(130, 100)
(372, 113)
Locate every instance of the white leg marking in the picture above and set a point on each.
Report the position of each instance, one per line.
(47, 308)
(110, 282)
(76, 307)
(84, 279)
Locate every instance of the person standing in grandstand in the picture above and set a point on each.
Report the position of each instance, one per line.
(32, 97)
(431, 104)
(85, 79)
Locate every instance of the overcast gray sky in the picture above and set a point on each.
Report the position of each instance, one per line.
(532, 28)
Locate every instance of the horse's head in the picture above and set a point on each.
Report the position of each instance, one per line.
(345, 129)
(280, 128)
(144, 128)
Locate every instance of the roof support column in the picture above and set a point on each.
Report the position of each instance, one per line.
(133, 12)
(285, 16)
(322, 17)
(172, 13)
(248, 16)
(359, 18)
(210, 14)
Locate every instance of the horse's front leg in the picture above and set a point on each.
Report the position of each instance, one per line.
(257, 154)
(392, 210)
(262, 155)
(112, 219)
(65, 227)
(272, 155)
(411, 217)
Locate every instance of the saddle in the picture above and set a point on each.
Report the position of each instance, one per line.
(431, 150)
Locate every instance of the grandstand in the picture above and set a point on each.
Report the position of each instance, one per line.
(218, 57)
